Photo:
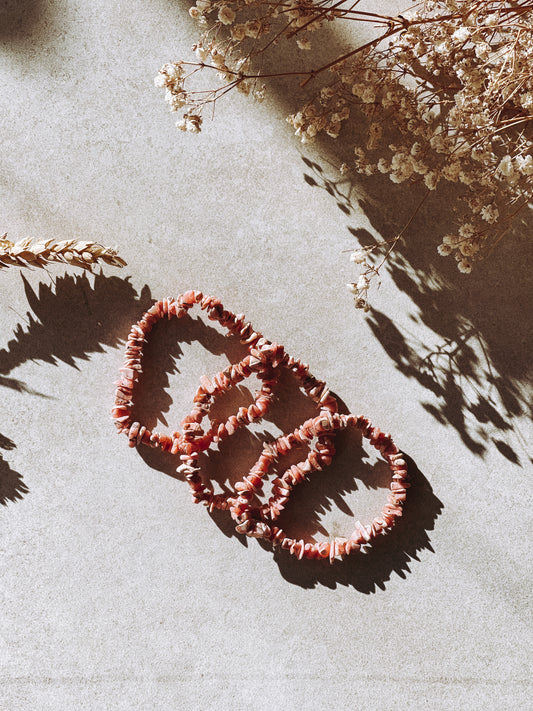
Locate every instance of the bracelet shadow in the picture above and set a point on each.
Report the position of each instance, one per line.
(371, 569)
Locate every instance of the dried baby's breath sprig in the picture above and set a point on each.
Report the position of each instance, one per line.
(28, 253)
(444, 92)
(370, 271)
(360, 288)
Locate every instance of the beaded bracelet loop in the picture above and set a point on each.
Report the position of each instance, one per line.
(264, 360)
(194, 437)
(262, 356)
(315, 389)
(258, 522)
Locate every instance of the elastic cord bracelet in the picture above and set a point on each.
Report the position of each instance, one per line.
(132, 369)
(264, 359)
(315, 389)
(259, 521)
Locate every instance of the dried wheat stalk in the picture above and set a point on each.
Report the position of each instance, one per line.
(27, 253)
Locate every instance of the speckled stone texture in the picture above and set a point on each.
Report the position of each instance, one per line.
(116, 591)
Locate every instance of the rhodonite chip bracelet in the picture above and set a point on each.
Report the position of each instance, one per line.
(265, 360)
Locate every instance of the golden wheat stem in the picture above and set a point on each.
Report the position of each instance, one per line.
(28, 253)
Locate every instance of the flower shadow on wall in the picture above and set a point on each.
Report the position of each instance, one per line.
(472, 334)
(473, 357)
(328, 491)
(104, 309)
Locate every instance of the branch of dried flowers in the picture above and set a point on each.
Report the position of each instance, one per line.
(28, 253)
(360, 256)
(452, 78)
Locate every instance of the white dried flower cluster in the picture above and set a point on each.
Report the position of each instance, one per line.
(360, 291)
(449, 99)
(245, 21)
(171, 77)
(360, 288)
(465, 117)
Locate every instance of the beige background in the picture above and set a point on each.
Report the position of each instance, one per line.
(118, 593)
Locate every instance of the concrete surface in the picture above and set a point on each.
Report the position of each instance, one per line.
(116, 591)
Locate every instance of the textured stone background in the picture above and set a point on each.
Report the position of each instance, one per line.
(118, 593)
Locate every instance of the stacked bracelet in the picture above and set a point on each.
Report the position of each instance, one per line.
(132, 368)
(259, 521)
